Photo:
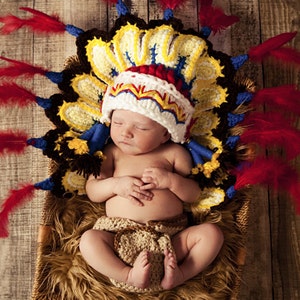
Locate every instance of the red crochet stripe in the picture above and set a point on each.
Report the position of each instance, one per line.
(163, 73)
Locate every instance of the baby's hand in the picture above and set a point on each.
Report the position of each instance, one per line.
(156, 178)
(131, 188)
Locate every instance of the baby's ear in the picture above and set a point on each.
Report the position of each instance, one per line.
(166, 136)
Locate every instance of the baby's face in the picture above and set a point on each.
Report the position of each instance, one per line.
(136, 134)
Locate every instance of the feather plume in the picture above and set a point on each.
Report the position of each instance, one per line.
(270, 129)
(258, 53)
(270, 171)
(12, 142)
(11, 93)
(286, 54)
(214, 17)
(18, 68)
(172, 4)
(40, 22)
(15, 199)
(285, 97)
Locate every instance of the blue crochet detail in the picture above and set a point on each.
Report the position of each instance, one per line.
(231, 192)
(238, 61)
(199, 152)
(38, 143)
(55, 77)
(96, 136)
(244, 97)
(234, 119)
(43, 102)
(206, 31)
(168, 14)
(232, 141)
(122, 9)
(73, 30)
(46, 185)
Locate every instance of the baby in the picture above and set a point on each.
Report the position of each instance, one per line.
(143, 178)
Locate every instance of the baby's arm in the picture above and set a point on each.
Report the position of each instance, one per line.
(177, 182)
(105, 186)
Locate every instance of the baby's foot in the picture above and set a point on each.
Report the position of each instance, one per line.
(173, 275)
(139, 274)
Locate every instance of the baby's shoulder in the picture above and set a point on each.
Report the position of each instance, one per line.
(176, 150)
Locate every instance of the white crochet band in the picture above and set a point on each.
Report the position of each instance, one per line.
(150, 96)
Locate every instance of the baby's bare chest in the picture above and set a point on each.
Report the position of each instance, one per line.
(135, 165)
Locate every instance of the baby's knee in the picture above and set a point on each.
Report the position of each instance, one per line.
(212, 233)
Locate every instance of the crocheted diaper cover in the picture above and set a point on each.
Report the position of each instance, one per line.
(131, 238)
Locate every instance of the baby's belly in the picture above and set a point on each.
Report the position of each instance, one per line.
(163, 205)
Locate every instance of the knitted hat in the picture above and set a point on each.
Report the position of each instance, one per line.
(153, 97)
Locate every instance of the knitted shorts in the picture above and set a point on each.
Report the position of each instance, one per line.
(131, 238)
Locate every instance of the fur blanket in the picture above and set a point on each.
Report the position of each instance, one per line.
(62, 273)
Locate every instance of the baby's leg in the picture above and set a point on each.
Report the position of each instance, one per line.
(196, 247)
(96, 247)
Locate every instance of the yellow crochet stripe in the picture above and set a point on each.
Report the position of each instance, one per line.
(132, 46)
(210, 197)
(206, 122)
(140, 93)
(89, 88)
(73, 182)
(79, 115)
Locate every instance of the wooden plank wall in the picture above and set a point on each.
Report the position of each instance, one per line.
(272, 264)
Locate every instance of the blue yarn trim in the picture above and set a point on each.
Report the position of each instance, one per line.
(168, 14)
(234, 119)
(243, 97)
(43, 102)
(38, 143)
(231, 192)
(238, 61)
(232, 141)
(122, 9)
(55, 77)
(46, 185)
(96, 136)
(73, 30)
(206, 31)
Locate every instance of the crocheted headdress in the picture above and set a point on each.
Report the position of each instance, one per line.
(171, 75)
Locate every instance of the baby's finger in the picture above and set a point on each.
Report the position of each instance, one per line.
(148, 186)
(136, 201)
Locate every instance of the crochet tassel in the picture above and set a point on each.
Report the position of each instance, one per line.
(18, 68)
(269, 171)
(272, 47)
(15, 199)
(268, 129)
(285, 98)
(214, 17)
(40, 23)
(12, 142)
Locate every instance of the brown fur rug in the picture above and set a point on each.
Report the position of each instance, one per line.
(62, 273)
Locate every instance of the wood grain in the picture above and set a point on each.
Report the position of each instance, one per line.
(272, 264)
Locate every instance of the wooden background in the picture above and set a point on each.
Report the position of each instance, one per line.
(273, 257)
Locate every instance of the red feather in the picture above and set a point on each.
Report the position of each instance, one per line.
(40, 22)
(172, 4)
(214, 17)
(285, 97)
(15, 199)
(270, 129)
(18, 68)
(258, 53)
(269, 171)
(111, 1)
(11, 93)
(12, 142)
(286, 54)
